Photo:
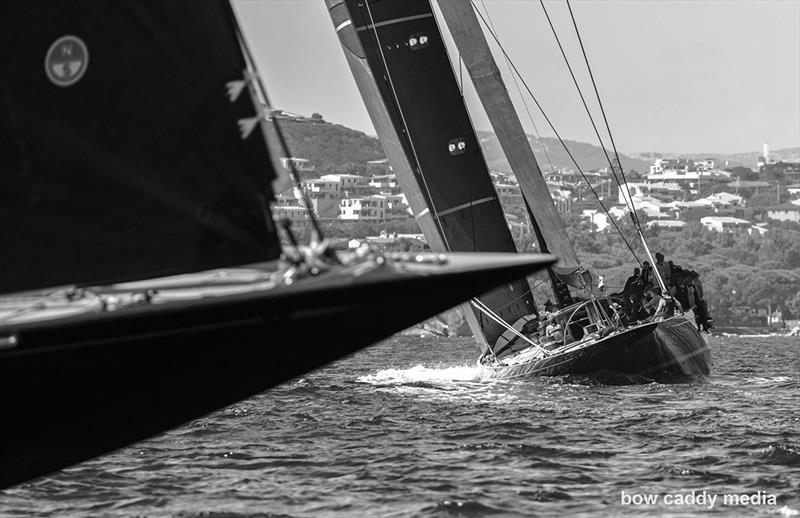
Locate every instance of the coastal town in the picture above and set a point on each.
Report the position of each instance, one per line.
(366, 205)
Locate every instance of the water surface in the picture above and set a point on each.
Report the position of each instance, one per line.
(407, 428)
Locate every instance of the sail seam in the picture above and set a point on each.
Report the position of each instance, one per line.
(464, 206)
(393, 21)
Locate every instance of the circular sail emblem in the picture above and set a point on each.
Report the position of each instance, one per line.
(66, 61)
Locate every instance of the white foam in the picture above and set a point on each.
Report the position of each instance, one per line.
(421, 373)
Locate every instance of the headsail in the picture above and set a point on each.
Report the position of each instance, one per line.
(400, 63)
(98, 109)
(478, 60)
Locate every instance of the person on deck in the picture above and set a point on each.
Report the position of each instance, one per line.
(652, 301)
(553, 330)
(634, 288)
(638, 313)
(647, 275)
(664, 269)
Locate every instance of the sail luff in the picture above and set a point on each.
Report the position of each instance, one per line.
(474, 50)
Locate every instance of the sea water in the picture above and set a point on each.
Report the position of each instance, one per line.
(408, 428)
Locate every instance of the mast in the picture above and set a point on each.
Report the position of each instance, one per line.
(474, 50)
(398, 58)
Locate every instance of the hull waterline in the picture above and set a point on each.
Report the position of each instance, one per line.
(667, 350)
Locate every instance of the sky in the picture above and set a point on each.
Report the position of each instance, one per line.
(694, 76)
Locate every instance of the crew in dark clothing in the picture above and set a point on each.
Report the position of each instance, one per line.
(647, 275)
(634, 289)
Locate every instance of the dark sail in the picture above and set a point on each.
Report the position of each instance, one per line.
(121, 154)
(401, 65)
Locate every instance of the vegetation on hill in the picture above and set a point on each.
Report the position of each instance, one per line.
(335, 148)
(737, 269)
(551, 154)
(331, 147)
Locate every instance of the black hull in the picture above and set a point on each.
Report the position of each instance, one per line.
(75, 389)
(667, 350)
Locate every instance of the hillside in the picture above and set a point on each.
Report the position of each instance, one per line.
(332, 146)
(329, 146)
(552, 152)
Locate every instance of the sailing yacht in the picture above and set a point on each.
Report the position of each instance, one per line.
(143, 282)
(398, 57)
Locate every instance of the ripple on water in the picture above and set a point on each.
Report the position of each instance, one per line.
(407, 428)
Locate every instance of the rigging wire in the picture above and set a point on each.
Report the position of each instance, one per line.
(317, 234)
(522, 97)
(588, 112)
(635, 216)
(552, 127)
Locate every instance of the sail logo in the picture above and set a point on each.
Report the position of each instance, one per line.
(66, 61)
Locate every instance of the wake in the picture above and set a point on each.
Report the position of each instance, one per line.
(420, 374)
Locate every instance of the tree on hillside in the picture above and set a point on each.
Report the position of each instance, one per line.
(743, 173)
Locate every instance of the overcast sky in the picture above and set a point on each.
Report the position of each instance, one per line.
(675, 76)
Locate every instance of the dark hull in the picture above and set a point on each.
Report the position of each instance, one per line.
(671, 349)
(73, 389)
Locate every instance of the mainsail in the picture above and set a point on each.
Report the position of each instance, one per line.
(94, 192)
(400, 63)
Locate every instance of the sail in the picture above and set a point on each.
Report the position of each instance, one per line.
(479, 62)
(400, 64)
(123, 156)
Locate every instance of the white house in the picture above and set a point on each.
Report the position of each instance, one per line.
(670, 224)
(347, 182)
(784, 212)
(725, 223)
(300, 164)
(723, 199)
(369, 208)
(598, 219)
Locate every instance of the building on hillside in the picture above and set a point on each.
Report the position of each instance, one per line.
(385, 183)
(320, 185)
(784, 212)
(510, 196)
(349, 184)
(396, 206)
(599, 220)
(705, 164)
(294, 213)
(794, 190)
(301, 165)
(368, 208)
(723, 199)
(663, 191)
(379, 167)
(728, 224)
(666, 224)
